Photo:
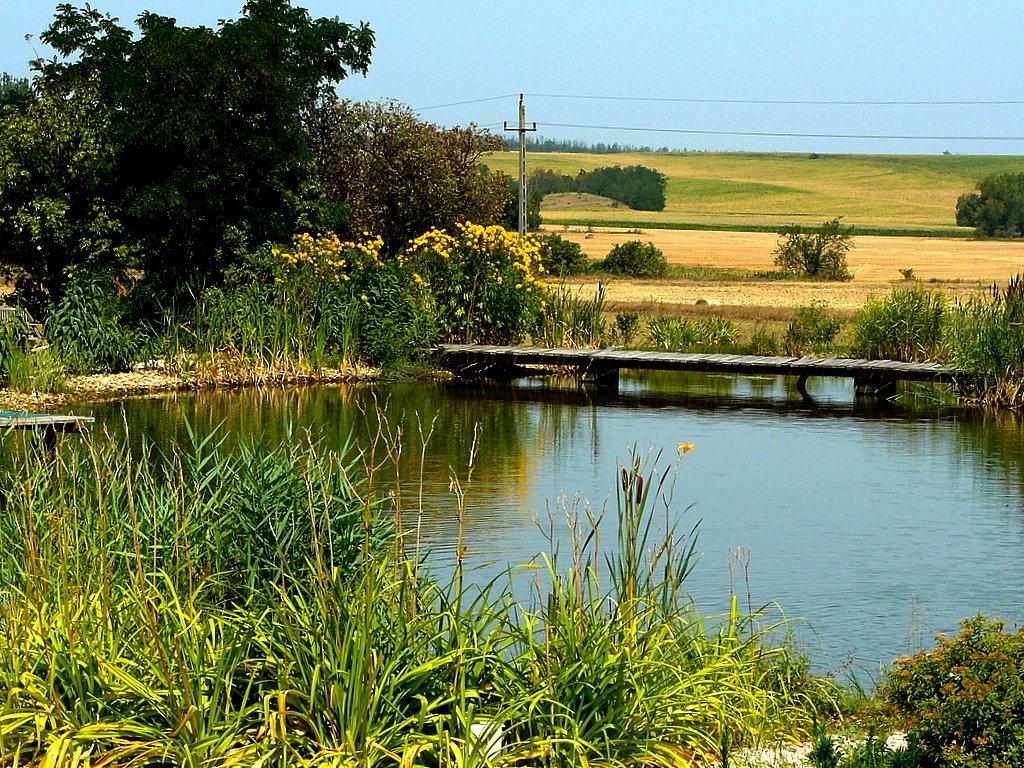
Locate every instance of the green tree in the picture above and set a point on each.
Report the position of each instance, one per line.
(211, 155)
(636, 259)
(55, 159)
(816, 252)
(398, 175)
(14, 91)
(996, 209)
(642, 189)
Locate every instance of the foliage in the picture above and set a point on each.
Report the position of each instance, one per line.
(627, 324)
(562, 257)
(15, 92)
(87, 329)
(637, 187)
(573, 320)
(675, 334)
(905, 325)
(640, 188)
(996, 209)
(55, 157)
(818, 252)
(210, 157)
(486, 283)
(226, 611)
(965, 698)
(812, 330)
(636, 259)
(320, 302)
(510, 214)
(398, 176)
(985, 338)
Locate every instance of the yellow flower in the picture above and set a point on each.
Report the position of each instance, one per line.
(685, 448)
(363, 297)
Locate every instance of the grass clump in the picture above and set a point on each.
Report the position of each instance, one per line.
(813, 330)
(674, 334)
(905, 325)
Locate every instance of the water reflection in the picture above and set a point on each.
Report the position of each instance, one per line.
(880, 524)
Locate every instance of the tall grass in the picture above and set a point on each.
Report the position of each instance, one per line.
(573, 320)
(905, 325)
(200, 608)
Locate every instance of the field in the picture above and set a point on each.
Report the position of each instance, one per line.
(958, 267)
(883, 194)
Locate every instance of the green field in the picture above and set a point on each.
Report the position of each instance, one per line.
(885, 194)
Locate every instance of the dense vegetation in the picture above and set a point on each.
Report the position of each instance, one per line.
(637, 187)
(996, 209)
(818, 252)
(247, 609)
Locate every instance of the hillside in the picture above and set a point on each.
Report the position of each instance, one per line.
(897, 194)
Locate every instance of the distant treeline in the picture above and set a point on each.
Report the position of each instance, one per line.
(542, 144)
(640, 188)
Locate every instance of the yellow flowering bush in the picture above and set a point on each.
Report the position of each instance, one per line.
(336, 298)
(486, 283)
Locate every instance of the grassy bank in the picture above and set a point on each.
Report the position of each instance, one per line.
(200, 608)
(880, 194)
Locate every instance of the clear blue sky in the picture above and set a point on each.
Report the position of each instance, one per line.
(440, 53)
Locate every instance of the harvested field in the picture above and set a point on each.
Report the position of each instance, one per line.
(958, 267)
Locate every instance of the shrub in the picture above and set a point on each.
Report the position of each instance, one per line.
(636, 259)
(812, 330)
(562, 257)
(819, 252)
(626, 326)
(87, 327)
(965, 698)
(486, 283)
(905, 325)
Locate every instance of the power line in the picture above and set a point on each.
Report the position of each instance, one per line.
(788, 135)
(789, 102)
(470, 101)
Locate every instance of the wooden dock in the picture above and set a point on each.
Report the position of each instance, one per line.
(602, 366)
(43, 421)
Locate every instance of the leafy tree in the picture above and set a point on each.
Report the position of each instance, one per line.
(562, 257)
(398, 175)
(997, 208)
(510, 214)
(14, 91)
(817, 252)
(55, 158)
(211, 154)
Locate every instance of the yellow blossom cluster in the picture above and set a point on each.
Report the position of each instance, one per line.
(330, 256)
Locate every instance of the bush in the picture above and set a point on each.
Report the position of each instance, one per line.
(819, 252)
(636, 259)
(485, 283)
(563, 257)
(812, 330)
(906, 325)
(965, 698)
(87, 327)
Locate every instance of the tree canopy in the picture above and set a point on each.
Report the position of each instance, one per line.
(399, 176)
(201, 127)
(640, 188)
(996, 209)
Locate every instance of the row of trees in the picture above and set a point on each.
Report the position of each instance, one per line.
(158, 159)
(638, 187)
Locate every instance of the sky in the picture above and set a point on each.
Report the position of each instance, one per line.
(902, 76)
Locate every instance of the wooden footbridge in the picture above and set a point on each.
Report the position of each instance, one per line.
(45, 425)
(602, 366)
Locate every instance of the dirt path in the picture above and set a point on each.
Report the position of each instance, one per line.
(957, 267)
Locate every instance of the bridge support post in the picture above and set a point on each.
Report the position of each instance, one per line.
(605, 378)
(874, 386)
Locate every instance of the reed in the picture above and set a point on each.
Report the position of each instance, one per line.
(199, 608)
(905, 325)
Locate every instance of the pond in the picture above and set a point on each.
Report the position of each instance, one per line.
(877, 525)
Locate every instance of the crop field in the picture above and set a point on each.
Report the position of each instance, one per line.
(881, 194)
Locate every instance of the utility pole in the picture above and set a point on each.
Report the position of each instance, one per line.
(522, 162)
